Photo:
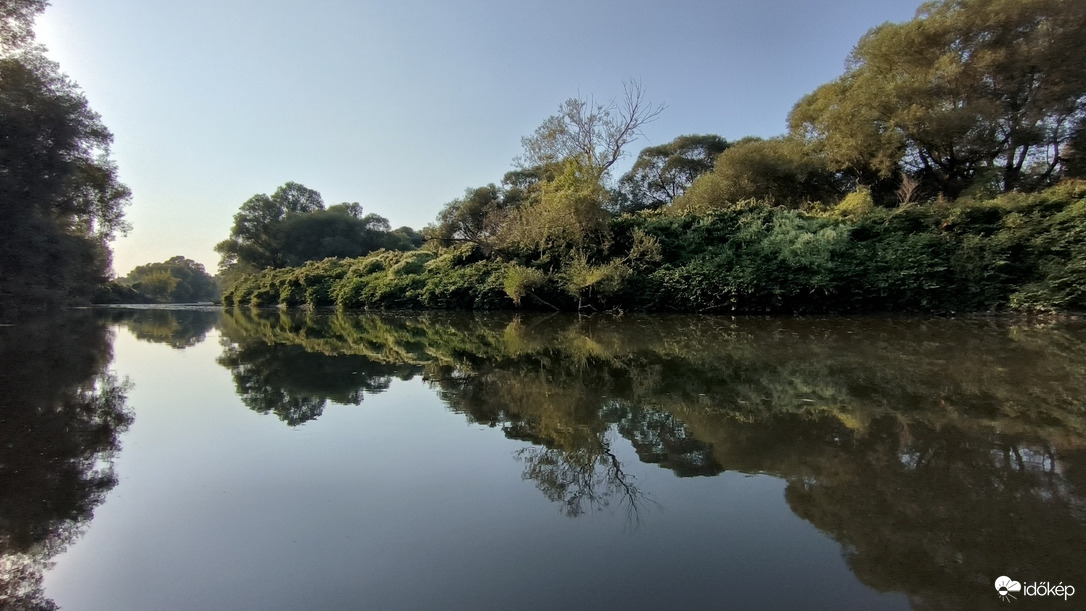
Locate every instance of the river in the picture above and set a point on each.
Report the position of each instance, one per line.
(197, 459)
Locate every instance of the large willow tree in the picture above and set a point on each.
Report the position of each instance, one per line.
(60, 200)
(969, 92)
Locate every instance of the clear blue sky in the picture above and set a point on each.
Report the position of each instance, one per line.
(400, 105)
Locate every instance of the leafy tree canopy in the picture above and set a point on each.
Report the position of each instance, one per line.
(60, 198)
(176, 280)
(17, 21)
(255, 240)
(968, 92)
(477, 218)
(662, 173)
(292, 226)
(781, 171)
(554, 201)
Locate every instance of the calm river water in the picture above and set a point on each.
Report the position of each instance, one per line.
(198, 459)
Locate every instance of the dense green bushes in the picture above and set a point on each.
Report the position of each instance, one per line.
(881, 197)
(384, 279)
(1025, 252)
(1018, 251)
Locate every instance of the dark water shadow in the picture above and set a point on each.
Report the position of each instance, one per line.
(61, 417)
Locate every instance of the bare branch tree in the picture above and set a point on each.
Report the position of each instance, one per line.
(909, 190)
(592, 133)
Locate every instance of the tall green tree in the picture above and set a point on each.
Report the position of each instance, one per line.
(970, 91)
(61, 202)
(340, 231)
(555, 198)
(475, 218)
(292, 226)
(404, 238)
(256, 240)
(662, 173)
(561, 187)
(566, 213)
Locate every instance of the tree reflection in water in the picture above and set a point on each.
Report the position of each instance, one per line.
(929, 510)
(289, 380)
(939, 517)
(177, 327)
(61, 415)
(939, 453)
(582, 480)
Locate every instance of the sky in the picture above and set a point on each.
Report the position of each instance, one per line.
(401, 105)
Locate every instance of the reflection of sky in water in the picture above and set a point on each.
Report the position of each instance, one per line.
(400, 502)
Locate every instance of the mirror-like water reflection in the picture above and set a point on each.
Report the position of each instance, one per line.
(61, 417)
(933, 455)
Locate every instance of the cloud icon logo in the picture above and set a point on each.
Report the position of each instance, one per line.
(1005, 585)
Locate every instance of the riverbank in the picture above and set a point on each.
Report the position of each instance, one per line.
(1014, 252)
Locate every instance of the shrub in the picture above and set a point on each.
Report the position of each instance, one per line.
(856, 203)
(1020, 251)
(520, 281)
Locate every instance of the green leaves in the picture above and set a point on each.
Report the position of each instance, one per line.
(1018, 251)
(969, 91)
(17, 23)
(61, 202)
(663, 173)
(780, 171)
(176, 280)
(520, 281)
(291, 227)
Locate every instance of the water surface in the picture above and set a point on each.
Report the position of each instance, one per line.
(199, 459)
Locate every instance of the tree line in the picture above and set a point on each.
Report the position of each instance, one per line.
(61, 203)
(281, 230)
(938, 173)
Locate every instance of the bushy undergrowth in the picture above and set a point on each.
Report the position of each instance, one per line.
(1024, 252)
(384, 279)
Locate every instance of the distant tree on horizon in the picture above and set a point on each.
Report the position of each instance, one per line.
(176, 280)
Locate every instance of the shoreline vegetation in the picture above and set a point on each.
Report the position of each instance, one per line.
(1016, 252)
(942, 172)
